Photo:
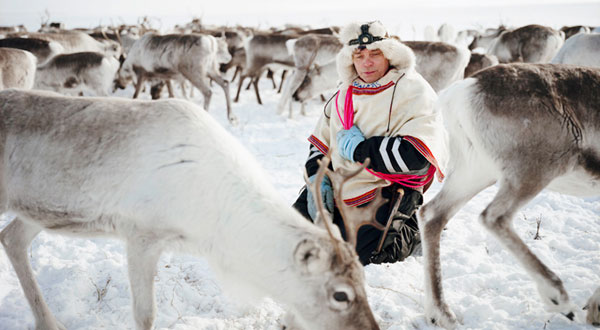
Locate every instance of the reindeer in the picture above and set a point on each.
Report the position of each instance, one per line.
(529, 44)
(479, 62)
(76, 41)
(438, 62)
(484, 40)
(194, 57)
(4, 30)
(570, 31)
(85, 73)
(264, 51)
(318, 80)
(164, 175)
(42, 49)
(526, 127)
(580, 49)
(17, 68)
(235, 39)
(311, 50)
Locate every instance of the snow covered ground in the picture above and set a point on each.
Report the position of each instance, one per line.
(85, 280)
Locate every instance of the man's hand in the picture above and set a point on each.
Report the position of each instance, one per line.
(327, 194)
(348, 140)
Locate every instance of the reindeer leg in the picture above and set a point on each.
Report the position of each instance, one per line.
(183, 90)
(16, 238)
(225, 85)
(497, 218)
(138, 86)
(291, 85)
(201, 84)
(250, 82)
(270, 76)
(142, 255)
(235, 73)
(170, 89)
(460, 186)
(255, 83)
(237, 95)
(283, 74)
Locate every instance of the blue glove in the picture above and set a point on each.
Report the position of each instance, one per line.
(327, 194)
(348, 140)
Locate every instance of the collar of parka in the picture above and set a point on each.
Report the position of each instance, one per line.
(399, 55)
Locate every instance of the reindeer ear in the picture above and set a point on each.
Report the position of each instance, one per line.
(311, 257)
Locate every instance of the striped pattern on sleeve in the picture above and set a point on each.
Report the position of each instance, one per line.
(391, 155)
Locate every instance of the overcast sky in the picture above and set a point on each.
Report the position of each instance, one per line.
(85, 13)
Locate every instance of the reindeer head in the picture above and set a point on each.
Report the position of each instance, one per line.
(223, 55)
(331, 267)
(112, 48)
(333, 276)
(125, 73)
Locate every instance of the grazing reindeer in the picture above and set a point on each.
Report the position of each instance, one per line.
(308, 51)
(317, 81)
(526, 127)
(163, 175)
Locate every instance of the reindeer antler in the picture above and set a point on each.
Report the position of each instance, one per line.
(315, 187)
(354, 217)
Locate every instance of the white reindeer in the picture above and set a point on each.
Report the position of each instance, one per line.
(580, 49)
(17, 68)
(85, 73)
(194, 57)
(526, 127)
(309, 51)
(163, 175)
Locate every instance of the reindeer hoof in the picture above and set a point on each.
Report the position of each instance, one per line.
(442, 317)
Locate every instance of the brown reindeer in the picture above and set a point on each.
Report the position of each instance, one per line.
(264, 51)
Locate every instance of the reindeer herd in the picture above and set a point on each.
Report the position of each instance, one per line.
(521, 107)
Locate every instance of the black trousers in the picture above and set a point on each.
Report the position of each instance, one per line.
(368, 236)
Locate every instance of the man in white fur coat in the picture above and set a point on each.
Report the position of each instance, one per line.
(384, 110)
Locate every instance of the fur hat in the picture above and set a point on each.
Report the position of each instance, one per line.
(371, 35)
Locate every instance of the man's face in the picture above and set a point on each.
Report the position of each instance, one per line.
(370, 64)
